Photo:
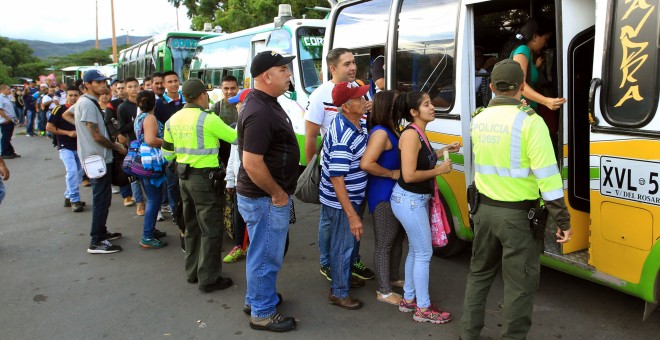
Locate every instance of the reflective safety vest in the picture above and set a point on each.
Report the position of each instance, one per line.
(191, 136)
(513, 154)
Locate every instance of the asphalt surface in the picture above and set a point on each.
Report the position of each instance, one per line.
(51, 288)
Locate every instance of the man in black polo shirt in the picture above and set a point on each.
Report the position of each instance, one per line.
(171, 101)
(65, 133)
(269, 151)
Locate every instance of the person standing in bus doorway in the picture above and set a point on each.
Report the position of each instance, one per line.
(514, 160)
(223, 108)
(269, 151)
(319, 115)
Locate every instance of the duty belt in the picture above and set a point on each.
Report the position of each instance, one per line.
(201, 171)
(518, 205)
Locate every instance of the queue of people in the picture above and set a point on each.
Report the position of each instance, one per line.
(367, 160)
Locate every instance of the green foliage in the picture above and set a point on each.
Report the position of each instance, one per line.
(32, 70)
(89, 57)
(12, 55)
(5, 78)
(236, 15)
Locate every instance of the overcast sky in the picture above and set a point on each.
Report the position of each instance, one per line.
(75, 20)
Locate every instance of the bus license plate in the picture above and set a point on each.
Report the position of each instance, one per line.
(630, 179)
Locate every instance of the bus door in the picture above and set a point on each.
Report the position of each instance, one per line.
(257, 44)
(575, 32)
(624, 141)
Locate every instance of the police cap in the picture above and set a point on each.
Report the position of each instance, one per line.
(193, 87)
(507, 75)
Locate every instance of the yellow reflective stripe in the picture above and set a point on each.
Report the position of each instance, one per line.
(553, 194)
(503, 172)
(516, 139)
(546, 172)
(198, 152)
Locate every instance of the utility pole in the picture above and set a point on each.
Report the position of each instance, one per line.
(97, 24)
(114, 37)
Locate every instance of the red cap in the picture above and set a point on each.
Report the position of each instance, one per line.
(345, 91)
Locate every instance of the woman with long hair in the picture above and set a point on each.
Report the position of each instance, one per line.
(525, 48)
(149, 129)
(410, 202)
(381, 161)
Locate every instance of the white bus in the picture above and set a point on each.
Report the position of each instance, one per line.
(603, 58)
(231, 54)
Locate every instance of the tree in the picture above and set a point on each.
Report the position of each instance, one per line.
(12, 55)
(236, 15)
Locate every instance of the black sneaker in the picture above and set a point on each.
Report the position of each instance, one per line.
(112, 236)
(247, 309)
(67, 203)
(104, 247)
(361, 271)
(220, 284)
(325, 271)
(159, 234)
(77, 206)
(273, 323)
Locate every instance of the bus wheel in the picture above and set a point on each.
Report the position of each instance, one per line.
(454, 244)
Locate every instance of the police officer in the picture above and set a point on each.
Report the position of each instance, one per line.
(514, 161)
(191, 137)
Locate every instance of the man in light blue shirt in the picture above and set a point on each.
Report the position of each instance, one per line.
(7, 122)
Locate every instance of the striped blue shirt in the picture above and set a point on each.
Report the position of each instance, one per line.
(343, 147)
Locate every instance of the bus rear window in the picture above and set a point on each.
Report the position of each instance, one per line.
(630, 96)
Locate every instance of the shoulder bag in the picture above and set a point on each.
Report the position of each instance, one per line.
(307, 187)
(437, 215)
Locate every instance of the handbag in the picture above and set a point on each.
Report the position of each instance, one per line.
(307, 187)
(142, 160)
(437, 215)
(94, 166)
(119, 177)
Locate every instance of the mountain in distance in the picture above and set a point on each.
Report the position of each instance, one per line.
(44, 49)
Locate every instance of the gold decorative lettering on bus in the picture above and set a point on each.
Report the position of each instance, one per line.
(633, 59)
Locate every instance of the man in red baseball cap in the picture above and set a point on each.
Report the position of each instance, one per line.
(342, 188)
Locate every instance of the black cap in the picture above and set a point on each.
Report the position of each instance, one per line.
(507, 75)
(193, 87)
(267, 59)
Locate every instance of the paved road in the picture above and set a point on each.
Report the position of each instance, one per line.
(51, 288)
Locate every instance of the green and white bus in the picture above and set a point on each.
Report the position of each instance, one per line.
(232, 53)
(171, 51)
(604, 58)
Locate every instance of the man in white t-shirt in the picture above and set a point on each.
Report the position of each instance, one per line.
(319, 114)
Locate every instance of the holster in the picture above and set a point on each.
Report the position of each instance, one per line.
(217, 178)
(473, 198)
(538, 219)
(182, 170)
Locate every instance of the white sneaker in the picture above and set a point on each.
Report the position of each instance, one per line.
(160, 217)
(165, 209)
(115, 190)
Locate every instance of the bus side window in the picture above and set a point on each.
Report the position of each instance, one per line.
(425, 50)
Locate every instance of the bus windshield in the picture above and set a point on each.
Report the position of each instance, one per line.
(183, 51)
(310, 48)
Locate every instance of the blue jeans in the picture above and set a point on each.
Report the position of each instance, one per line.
(29, 122)
(172, 188)
(126, 191)
(342, 244)
(324, 241)
(101, 200)
(7, 130)
(19, 114)
(74, 174)
(154, 194)
(2, 190)
(42, 119)
(412, 210)
(136, 188)
(267, 226)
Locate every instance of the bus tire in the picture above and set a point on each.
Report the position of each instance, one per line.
(454, 244)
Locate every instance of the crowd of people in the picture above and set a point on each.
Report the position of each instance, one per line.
(239, 155)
